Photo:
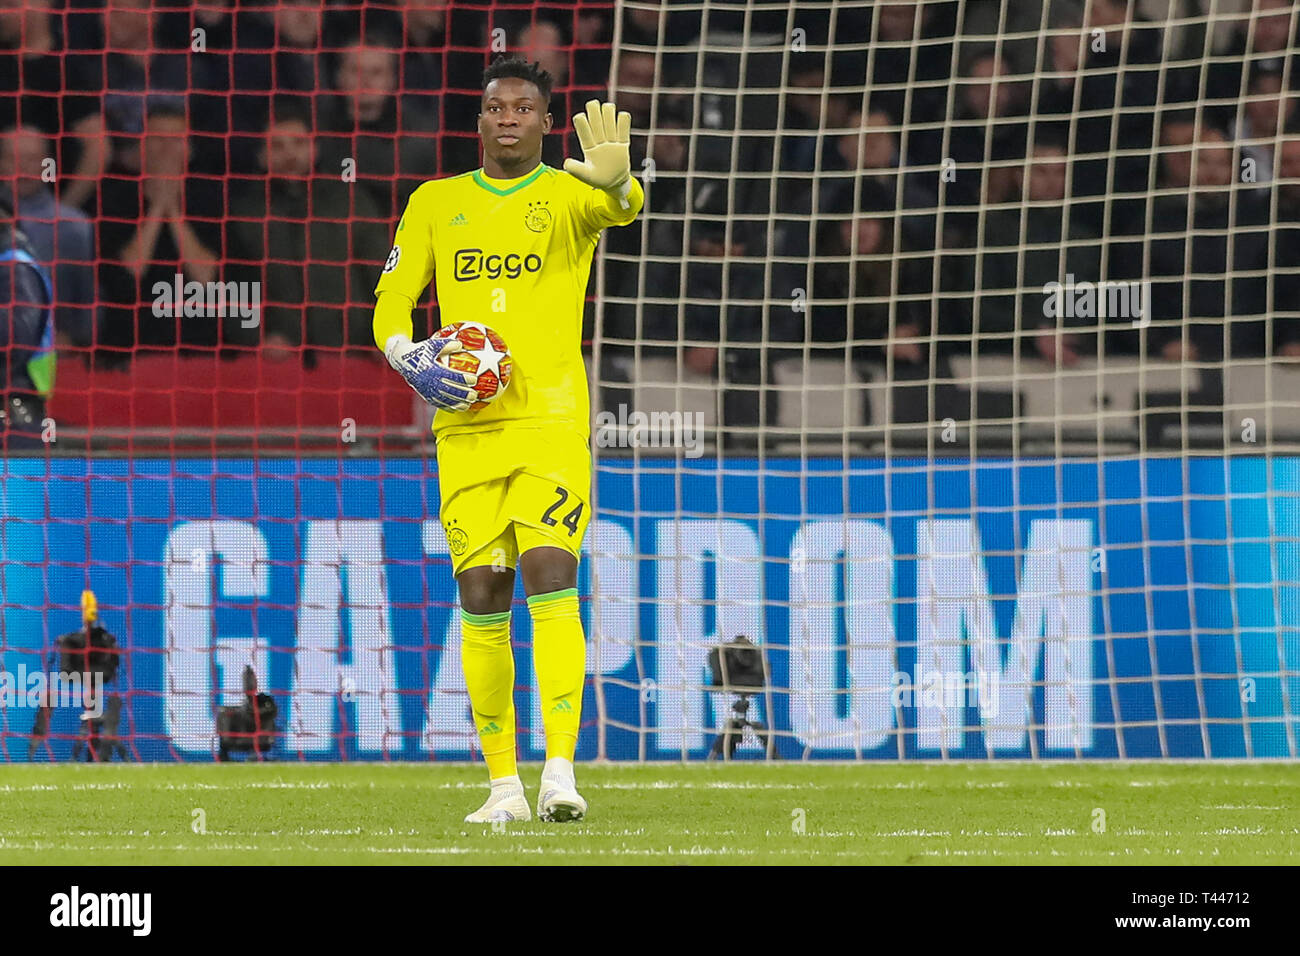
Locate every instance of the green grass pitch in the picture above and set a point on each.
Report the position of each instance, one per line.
(1202, 813)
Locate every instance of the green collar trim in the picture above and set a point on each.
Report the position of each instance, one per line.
(482, 181)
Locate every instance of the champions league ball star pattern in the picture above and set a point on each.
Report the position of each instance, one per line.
(485, 354)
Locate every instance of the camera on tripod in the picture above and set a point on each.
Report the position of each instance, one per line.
(91, 658)
(249, 727)
(738, 667)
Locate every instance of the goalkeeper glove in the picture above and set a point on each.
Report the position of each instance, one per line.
(605, 137)
(434, 382)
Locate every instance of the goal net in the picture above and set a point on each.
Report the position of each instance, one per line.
(953, 365)
(969, 329)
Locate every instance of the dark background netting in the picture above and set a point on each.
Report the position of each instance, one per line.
(276, 143)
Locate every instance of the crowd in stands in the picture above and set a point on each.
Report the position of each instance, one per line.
(913, 189)
(926, 214)
(273, 142)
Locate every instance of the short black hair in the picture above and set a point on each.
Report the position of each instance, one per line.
(969, 56)
(876, 197)
(1055, 134)
(1261, 70)
(289, 109)
(165, 104)
(1177, 116)
(504, 67)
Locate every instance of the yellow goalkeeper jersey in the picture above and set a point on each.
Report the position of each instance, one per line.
(514, 254)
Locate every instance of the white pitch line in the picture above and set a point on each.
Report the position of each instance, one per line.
(707, 785)
(669, 853)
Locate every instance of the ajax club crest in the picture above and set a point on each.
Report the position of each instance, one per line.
(457, 539)
(538, 216)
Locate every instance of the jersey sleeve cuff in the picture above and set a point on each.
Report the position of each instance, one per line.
(621, 192)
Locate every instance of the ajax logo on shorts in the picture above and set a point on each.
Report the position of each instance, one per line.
(457, 539)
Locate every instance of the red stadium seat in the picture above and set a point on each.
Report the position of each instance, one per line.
(167, 391)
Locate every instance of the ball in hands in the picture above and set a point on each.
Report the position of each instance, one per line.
(483, 353)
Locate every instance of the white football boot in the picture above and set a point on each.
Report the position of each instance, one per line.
(506, 803)
(557, 799)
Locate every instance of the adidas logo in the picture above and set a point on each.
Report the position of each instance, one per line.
(563, 707)
(460, 220)
(491, 728)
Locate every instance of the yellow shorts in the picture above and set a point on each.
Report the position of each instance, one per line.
(510, 490)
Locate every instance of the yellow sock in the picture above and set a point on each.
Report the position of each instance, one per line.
(489, 666)
(560, 659)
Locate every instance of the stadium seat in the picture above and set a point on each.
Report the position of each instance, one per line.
(821, 397)
(1265, 392)
(660, 385)
(166, 391)
(1091, 397)
(662, 392)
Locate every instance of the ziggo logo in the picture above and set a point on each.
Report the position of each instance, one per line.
(475, 264)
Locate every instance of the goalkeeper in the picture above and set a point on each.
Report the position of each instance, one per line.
(511, 246)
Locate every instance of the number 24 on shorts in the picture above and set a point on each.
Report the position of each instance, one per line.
(570, 520)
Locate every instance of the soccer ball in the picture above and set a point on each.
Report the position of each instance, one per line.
(485, 354)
